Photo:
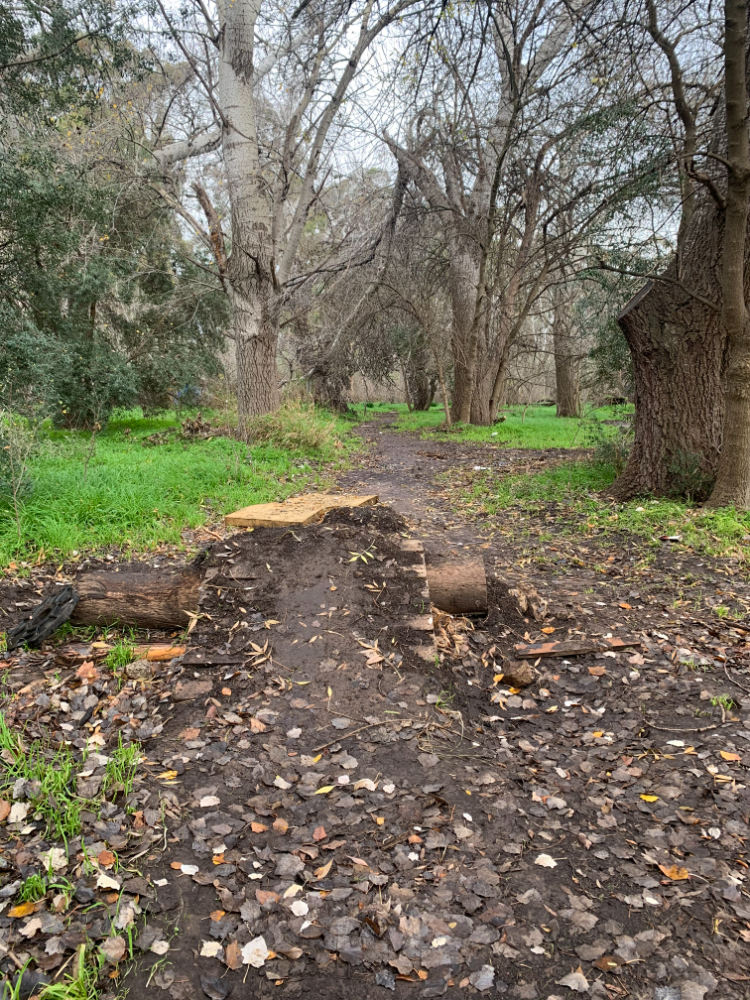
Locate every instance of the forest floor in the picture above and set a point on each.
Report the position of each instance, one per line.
(332, 807)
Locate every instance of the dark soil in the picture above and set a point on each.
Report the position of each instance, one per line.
(309, 673)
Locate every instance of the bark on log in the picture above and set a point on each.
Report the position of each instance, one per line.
(143, 600)
(460, 588)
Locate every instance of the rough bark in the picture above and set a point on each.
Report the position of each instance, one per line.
(680, 345)
(142, 600)
(464, 278)
(732, 486)
(567, 394)
(249, 269)
(678, 350)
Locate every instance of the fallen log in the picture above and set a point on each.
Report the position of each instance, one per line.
(140, 599)
(459, 587)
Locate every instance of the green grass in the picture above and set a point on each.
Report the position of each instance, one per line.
(122, 654)
(32, 889)
(534, 427)
(121, 767)
(54, 799)
(575, 492)
(136, 496)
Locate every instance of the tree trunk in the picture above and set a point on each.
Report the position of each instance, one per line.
(732, 486)
(420, 388)
(256, 338)
(143, 600)
(249, 269)
(463, 277)
(566, 360)
(678, 349)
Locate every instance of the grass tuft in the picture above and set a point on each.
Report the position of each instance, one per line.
(299, 427)
(51, 775)
(121, 767)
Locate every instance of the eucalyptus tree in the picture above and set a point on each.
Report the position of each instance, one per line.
(499, 90)
(274, 82)
(673, 324)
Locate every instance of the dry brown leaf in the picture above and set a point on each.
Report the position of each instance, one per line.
(106, 859)
(23, 910)
(265, 896)
(4, 809)
(675, 872)
(216, 915)
(258, 827)
(597, 671)
(323, 871)
(608, 962)
(233, 955)
(87, 671)
(319, 833)
(191, 733)
(280, 825)
(726, 755)
(256, 726)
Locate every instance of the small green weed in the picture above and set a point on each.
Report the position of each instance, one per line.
(122, 654)
(724, 701)
(80, 985)
(32, 889)
(11, 988)
(121, 768)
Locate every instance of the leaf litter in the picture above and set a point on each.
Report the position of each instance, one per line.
(437, 821)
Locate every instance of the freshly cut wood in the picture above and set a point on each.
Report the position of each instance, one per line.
(297, 510)
(573, 647)
(460, 587)
(144, 600)
(158, 652)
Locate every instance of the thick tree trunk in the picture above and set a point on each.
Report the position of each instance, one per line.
(249, 269)
(420, 387)
(463, 277)
(256, 336)
(732, 486)
(143, 600)
(678, 350)
(566, 361)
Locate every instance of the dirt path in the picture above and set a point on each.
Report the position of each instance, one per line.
(329, 810)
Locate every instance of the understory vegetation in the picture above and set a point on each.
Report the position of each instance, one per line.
(575, 493)
(145, 479)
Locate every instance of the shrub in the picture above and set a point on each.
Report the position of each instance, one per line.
(296, 426)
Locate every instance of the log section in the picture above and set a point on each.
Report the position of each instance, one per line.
(460, 588)
(144, 600)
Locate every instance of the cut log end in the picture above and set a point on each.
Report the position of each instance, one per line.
(459, 588)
